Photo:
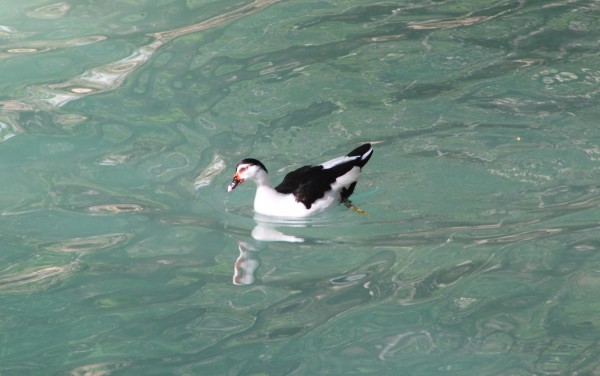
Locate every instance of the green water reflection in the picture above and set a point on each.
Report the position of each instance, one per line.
(120, 126)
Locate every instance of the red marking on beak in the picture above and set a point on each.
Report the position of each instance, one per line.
(234, 183)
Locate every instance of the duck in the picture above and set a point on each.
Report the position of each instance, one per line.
(307, 190)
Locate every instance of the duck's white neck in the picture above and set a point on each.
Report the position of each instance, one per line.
(262, 180)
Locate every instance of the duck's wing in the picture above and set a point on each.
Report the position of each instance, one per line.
(294, 180)
(309, 183)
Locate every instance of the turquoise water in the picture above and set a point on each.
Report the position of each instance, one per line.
(120, 126)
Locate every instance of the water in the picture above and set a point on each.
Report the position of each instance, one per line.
(122, 254)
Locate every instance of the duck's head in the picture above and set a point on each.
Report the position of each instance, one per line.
(248, 168)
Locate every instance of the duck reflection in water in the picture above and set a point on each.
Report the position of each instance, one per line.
(265, 231)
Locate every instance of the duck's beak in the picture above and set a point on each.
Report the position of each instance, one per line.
(234, 183)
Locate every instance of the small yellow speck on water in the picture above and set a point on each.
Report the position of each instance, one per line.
(518, 138)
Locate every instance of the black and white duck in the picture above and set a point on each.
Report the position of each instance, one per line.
(307, 190)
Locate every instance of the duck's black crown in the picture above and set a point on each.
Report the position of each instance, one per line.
(252, 161)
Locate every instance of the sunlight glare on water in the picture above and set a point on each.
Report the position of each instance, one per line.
(120, 127)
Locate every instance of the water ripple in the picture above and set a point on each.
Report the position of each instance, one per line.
(50, 12)
(30, 280)
(88, 244)
(216, 166)
(99, 79)
(116, 208)
(35, 47)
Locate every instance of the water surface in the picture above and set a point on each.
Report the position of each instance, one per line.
(120, 126)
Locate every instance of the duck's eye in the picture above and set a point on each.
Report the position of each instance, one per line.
(243, 169)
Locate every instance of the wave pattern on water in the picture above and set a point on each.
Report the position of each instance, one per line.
(120, 252)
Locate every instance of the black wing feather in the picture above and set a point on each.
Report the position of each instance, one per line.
(309, 183)
(292, 180)
(359, 152)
